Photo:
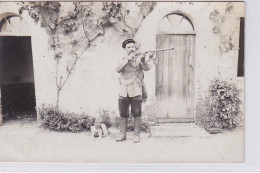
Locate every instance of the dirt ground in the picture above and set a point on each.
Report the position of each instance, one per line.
(26, 141)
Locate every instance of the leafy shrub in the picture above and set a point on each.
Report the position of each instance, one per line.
(221, 108)
(55, 119)
(106, 116)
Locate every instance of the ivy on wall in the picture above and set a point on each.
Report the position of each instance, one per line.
(218, 19)
(73, 27)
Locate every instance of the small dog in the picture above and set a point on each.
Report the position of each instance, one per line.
(99, 129)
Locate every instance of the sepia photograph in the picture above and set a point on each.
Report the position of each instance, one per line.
(122, 82)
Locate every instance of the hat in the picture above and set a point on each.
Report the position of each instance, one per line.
(127, 41)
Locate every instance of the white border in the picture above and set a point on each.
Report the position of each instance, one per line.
(252, 83)
(252, 127)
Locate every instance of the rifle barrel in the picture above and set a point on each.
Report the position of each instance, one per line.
(157, 50)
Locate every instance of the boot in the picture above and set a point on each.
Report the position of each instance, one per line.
(137, 129)
(123, 125)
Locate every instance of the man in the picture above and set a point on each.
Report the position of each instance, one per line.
(131, 69)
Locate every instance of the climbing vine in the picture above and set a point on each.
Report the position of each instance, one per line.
(218, 19)
(73, 26)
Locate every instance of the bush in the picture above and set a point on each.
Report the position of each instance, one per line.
(221, 108)
(55, 119)
(106, 116)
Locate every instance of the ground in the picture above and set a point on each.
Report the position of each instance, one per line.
(24, 140)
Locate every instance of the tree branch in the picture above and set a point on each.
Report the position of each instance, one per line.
(52, 30)
(56, 73)
(69, 71)
(83, 25)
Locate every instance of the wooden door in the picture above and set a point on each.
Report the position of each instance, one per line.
(175, 77)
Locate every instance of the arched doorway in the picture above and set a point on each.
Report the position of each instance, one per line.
(175, 69)
(16, 69)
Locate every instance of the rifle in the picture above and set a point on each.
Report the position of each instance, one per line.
(157, 50)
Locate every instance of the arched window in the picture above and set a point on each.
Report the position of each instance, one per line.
(175, 23)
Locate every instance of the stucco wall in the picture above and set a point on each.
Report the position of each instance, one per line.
(94, 82)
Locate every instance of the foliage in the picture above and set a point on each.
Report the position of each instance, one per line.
(55, 119)
(218, 19)
(44, 12)
(57, 19)
(107, 117)
(221, 108)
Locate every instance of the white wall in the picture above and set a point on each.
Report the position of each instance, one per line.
(94, 82)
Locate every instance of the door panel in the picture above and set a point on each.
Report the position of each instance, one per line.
(175, 76)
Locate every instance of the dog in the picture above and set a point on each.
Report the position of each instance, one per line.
(99, 129)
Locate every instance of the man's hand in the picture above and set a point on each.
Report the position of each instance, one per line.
(143, 56)
(146, 56)
(150, 54)
(131, 56)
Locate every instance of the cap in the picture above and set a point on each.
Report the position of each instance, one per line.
(127, 41)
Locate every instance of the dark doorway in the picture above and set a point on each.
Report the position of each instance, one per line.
(16, 77)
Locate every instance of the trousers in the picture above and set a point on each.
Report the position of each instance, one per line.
(135, 103)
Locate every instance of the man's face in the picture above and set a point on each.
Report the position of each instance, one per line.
(130, 47)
